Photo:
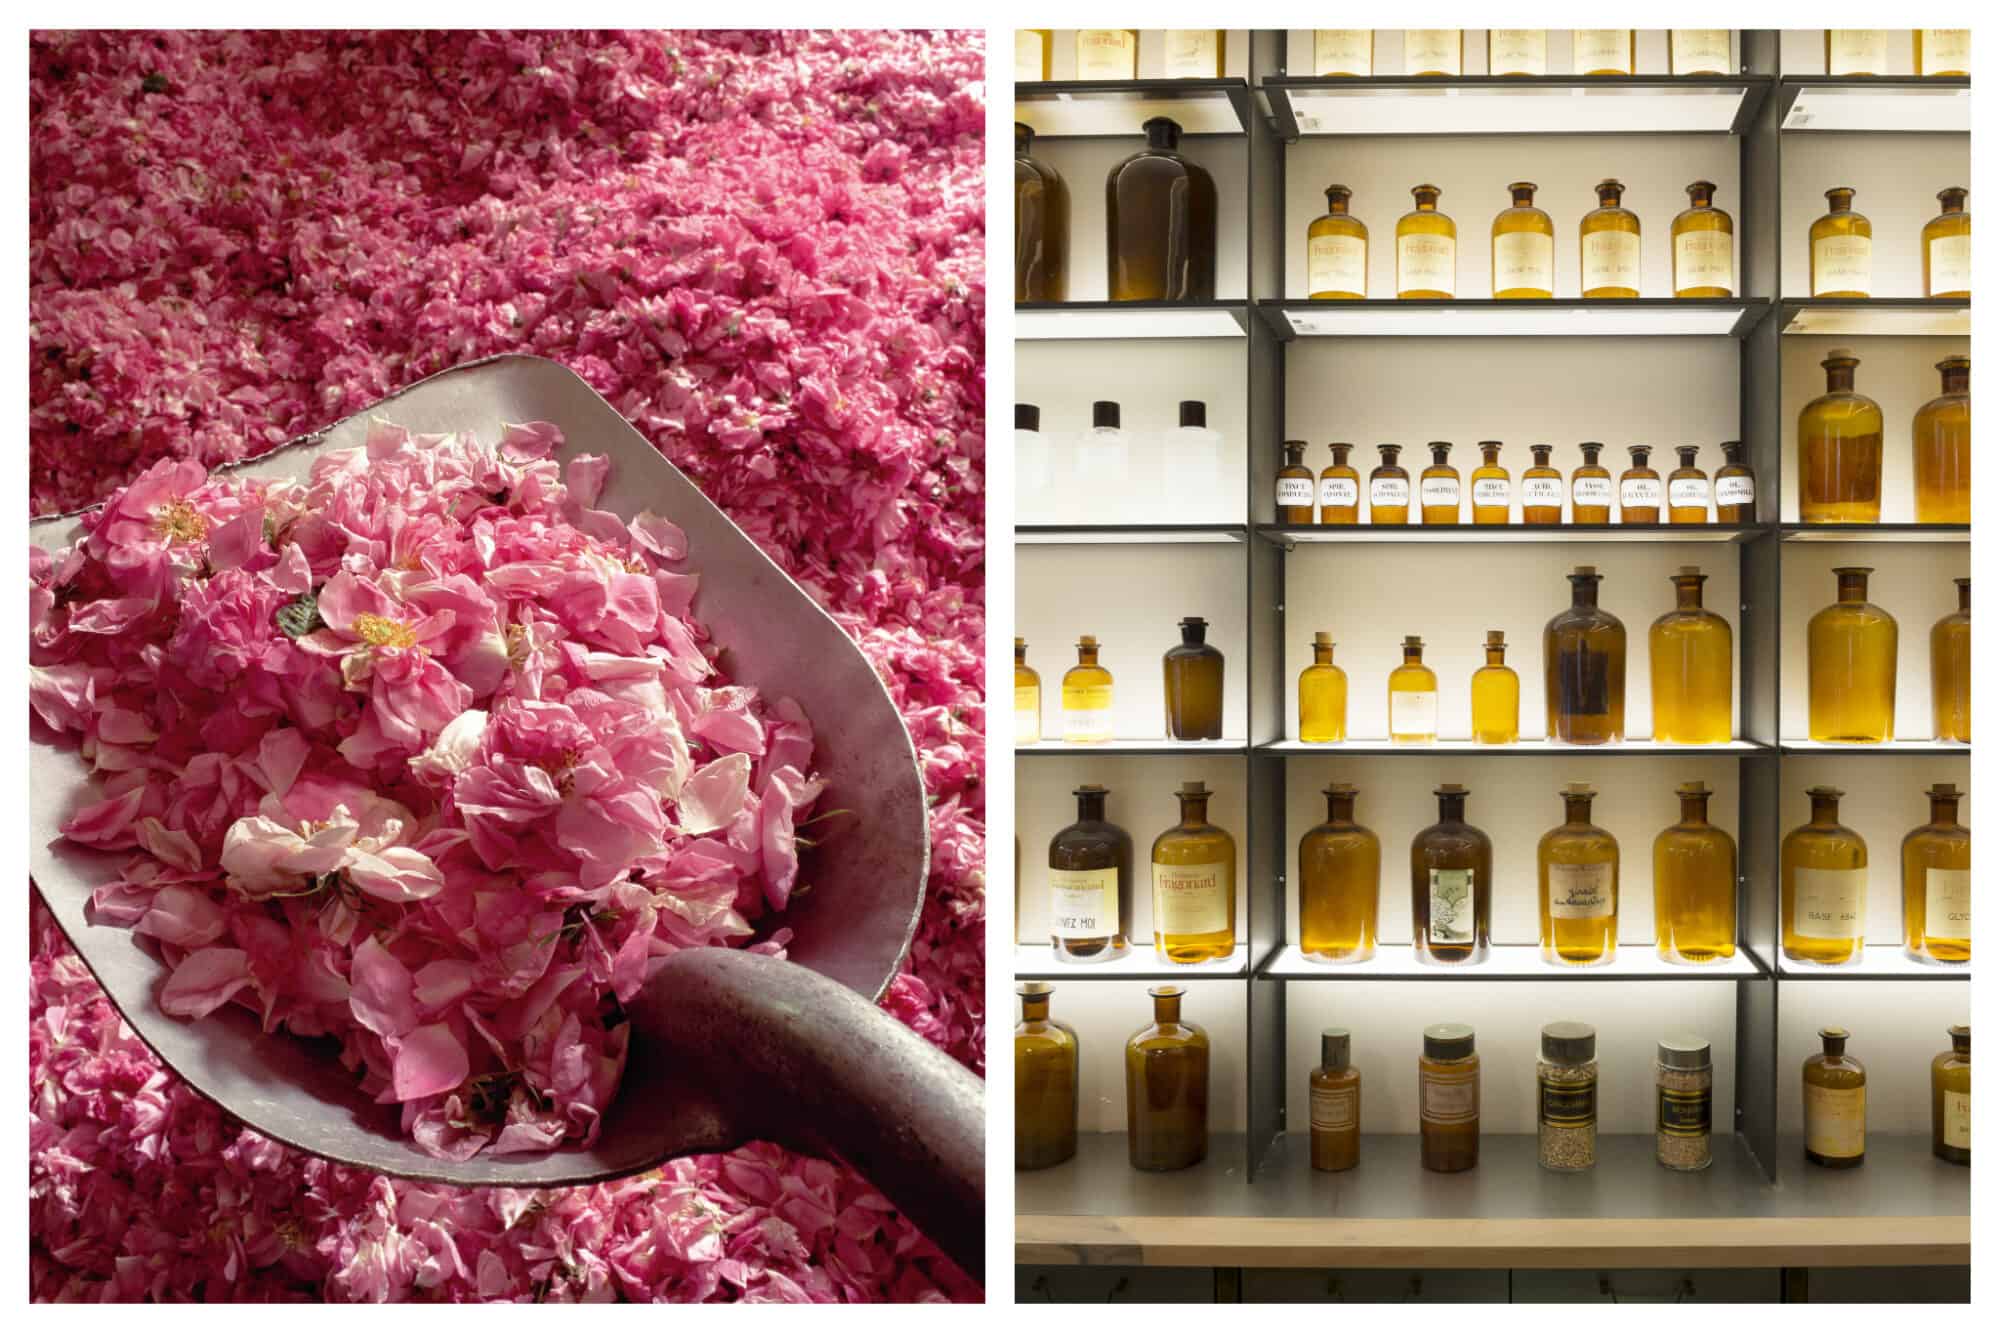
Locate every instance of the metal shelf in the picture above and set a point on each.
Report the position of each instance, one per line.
(1942, 749)
(1489, 104)
(1879, 962)
(1036, 962)
(1116, 108)
(1469, 318)
(1877, 317)
(1054, 321)
(1154, 746)
(1505, 962)
(1630, 748)
(1165, 534)
(1289, 535)
(1959, 533)
(1893, 104)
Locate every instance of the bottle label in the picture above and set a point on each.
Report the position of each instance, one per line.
(1836, 1120)
(1857, 51)
(1027, 714)
(1603, 49)
(1704, 259)
(1337, 264)
(1106, 53)
(1336, 1110)
(1389, 492)
(1191, 53)
(1568, 1103)
(1192, 900)
(1688, 493)
(1413, 712)
(1524, 259)
(1577, 891)
(1432, 51)
(1451, 906)
(1958, 1120)
(1491, 493)
(1338, 493)
(1448, 1096)
(1083, 904)
(1700, 51)
(1610, 259)
(1639, 493)
(1295, 492)
(1086, 712)
(1826, 904)
(1686, 1114)
(1541, 492)
(1028, 56)
(1427, 264)
(1591, 491)
(1951, 264)
(1946, 48)
(1439, 492)
(1517, 51)
(1735, 490)
(1841, 264)
(1344, 51)
(1948, 903)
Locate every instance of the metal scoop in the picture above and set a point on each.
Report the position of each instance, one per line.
(726, 1046)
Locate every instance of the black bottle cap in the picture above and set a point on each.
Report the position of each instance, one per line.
(1162, 132)
(1027, 417)
(1194, 630)
(1103, 415)
(1568, 1043)
(1448, 1041)
(1194, 413)
(1333, 1048)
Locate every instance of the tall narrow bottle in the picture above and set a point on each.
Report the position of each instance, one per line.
(1694, 885)
(1937, 883)
(1693, 668)
(1524, 248)
(1192, 670)
(1639, 490)
(1735, 486)
(1295, 485)
(1033, 51)
(1193, 53)
(1840, 449)
(1086, 697)
(1942, 52)
(1851, 51)
(1823, 887)
(1451, 886)
(1340, 883)
(1340, 489)
(1337, 251)
(1687, 488)
(1694, 51)
(1948, 247)
(1166, 1088)
(1541, 489)
(1851, 667)
(1159, 222)
(1041, 224)
(1576, 863)
(1836, 1109)
(1610, 246)
(1843, 249)
(1951, 1099)
(1590, 488)
(1438, 488)
(1027, 697)
(1951, 671)
(1517, 52)
(1496, 696)
(1090, 884)
(1045, 1082)
(1704, 246)
(1941, 447)
(1322, 696)
(1389, 488)
(1107, 54)
(1413, 698)
(1492, 497)
(1583, 660)
(1103, 461)
(1194, 885)
(1434, 51)
(1334, 1090)
(1426, 250)
(1347, 53)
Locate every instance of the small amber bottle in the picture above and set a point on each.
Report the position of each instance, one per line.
(1577, 866)
(1609, 248)
(1389, 489)
(1687, 488)
(1492, 498)
(1639, 489)
(1496, 696)
(1541, 489)
(1840, 449)
(1335, 1091)
(1448, 1099)
(1193, 676)
(1595, 51)
(1027, 697)
(1194, 885)
(1166, 1088)
(1823, 887)
(1045, 1082)
(1948, 247)
(1836, 1093)
(1590, 488)
(1843, 249)
(1951, 671)
(1413, 698)
(1434, 52)
(1693, 668)
(1694, 885)
(1322, 696)
(1439, 493)
(1937, 883)
(1337, 251)
(1295, 485)
(1735, 486)
(1941, 447)
(1851, 666)
(1583, 667)
(1951, 1099)
(1340, 489)
(1086, 697)
(1340, 881)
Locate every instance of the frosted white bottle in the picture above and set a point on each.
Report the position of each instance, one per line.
(1032, 482)
(1103, 467)
(1192, 487)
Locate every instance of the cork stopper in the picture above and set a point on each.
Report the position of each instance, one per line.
(1166, 992)
(1568, 1043)
(1496, 638)
(1945, 791)
(1412, 644)
(1839, 356)
(1333, 1048)
(1034, 990)
(1191, 788)
(1194, 414)
(1322, 639)
(1825, 793)
(1834, 1040)
(1684, 1050)
(1693, 789)
(1578, 789)
(1020, 644)
(1447, 1041)
(1584, 572)
(1449, 789)
(1087, 641)
(1340, 789)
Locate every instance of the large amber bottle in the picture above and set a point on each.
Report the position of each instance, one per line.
(1735, 486)
(1951, 671)
(1687, 488)
(1941, 447)
(1045, 1082)
(1194, 885)
(1496, 696)
(1951, 1099)
(1639, 489)
(1541, 489)
(1937, 883)
(1041, 224)
(1840, 449)
(1948, 247)
(1340, 489)
(1340, 882)
(1086, 697)
(1576, 864)
(1524, 249)
(1193, 672)
(1389, 488)
(1843, 249)
(1704, 246)
(1693, 668)
(1090, 884)
(1823, 887)
(1159, 222)
(1322, 696)
(1851, 667)
(1610, 246)
(1590, 487)
(1413, 698)
(1027, 697)
(1583, 663)
(1492, 497)
(1451, 886)
(1439, 494)
(1426, 250)
(1694, 885)
(1337, 251)
(1836, 1109)
(1166, 1088)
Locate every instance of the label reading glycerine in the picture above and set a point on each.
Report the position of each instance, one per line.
(1524, 259)
(1827, 904)
(1083, 904)
(1191, 900)
(1577, 891)
(1610, 259)
(1948, 903)
(1337, 264)
(1842, 264)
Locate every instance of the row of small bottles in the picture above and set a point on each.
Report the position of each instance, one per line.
(1106, 55)
(1840, 448)
(1835, 1087)
(1180, 473)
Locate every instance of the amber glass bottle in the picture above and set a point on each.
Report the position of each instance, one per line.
(1389, 488)
(1610, 246)
(1694, 885)
(1704, 246)
(1104, 54)
(1951, 1099)
(1941, 445)
(1836, 1093)
(1857, 51)
(1194, 885)
(1027, 697)
(1426, 250)
(1851, 667)
(1517, 52)
(1590, 488)
(1090, 884)
(1334, 1088)
(1687, 488)
(1439, 495)
(1693, 668)
(1159, 222)
(1166, 1088)
(1193, 671)
(1492, 498)
(1434, 51)
(1541, 489)
(1340, 882)
(1413, 698)
(1337, 251)
(1583, 663)
(1322, 696)
(1496, 696)
(1340, 490)
(1735, 486)
(1948, 247)
(1940, 52)
(1693, 51)
(1601, 51)
(1034, 49)
(1451, 886)
(1086, 697)
(1576, 863)
(1347, 53)
(1448, 1099)
(1951, 671)
(1840, 449)
(1843, 244)
(1194, 53)
(1823, 886)
(1041, 225)
(1639, 490)
(1045, 1082)
(1295, 485)
(1524, 249)
(1937, 883)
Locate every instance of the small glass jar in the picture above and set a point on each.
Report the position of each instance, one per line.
(1448, 1098)
(1685, 1080)
(1566, 1101)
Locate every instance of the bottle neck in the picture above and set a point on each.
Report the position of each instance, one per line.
(1839, 203)
(1833, 1047)
(1322, 654)
(1388, 460)
(1336, 204)
(1193, 636)
(1194, 809)
(1687, 457)
(1090, 808)
(1965, 597)
(1590, 455)
(1576, 809)
(1609, 198)
(1840, 379)
(1340, 809)
(1020, 654)
(1582, 590)
(1162, 138)
(1340, 452)
(1295, 458)
(1087, 656)
(1957, 379)
(1952, 203)
(1489, 456)
(1034, 1009)
(1427, 204)
(1496, 654)
(1694, 809)
(1439, 457)
(1640, 463)
(1541, 456)
(1700, 198)
(1524, 198)
(1451, 809)
(1944, 810)
(1166, 1009)
(1854, 588)
(1826, 809)
(1413, 657)
(1687, 594)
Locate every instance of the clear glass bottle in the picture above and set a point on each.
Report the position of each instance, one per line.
(1583, 659)
(1340, 883)
(1027, 697)
(1496, 696)
(1492, 496)
(1347, 53)
(1590, 488)
(1413, 698)
(1194, 476)
(1045, 1082)
(1694, 885)
(1693, 664)
(1639, 489)
(1159, 222)
(1576, 864)
(1704, 246)
(1610, 246)
(1034, 49)
(1107, 54)
(1194, 885)
(1193, 53)
(1389, 488)
(1451, 886)
(1295, 485)
(1337, 251)
(1439, 494)
(1041, 224)
(1941, 52)
(1086, 697)
(1517, 52)
(1951, 1099)
(1541, 489)
(1941, 447)
(1857, 51)
(1524, 249)
(1166, 1088)
(1426, 250)
(1851, 666)
(1434, 51)
(1448, 1099)
(1566, 1097)
(1340, 489)
(1601, 51)
(1698, 51)
(1948, 247)
(1842, 249)
(1032, 473)
(1735, 486)
(1823, 887)
(1836, 1112)
(1090, 884)
(1951, 671)
(1937, 883)
(1192, 672)
(1684, 1077)
(1334, 1091)
(1687, 488)
(1103, 457)
(1322, 696)
(1840, 449)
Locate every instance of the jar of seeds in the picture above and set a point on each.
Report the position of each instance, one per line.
(1567, 1078)
(1686, 1085)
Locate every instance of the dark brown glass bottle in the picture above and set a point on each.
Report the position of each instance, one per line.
(1639, 489)
(1166, 1088)
(1159, 223)
(1090, 884)
(1041, 225)
(1335, 1113)
(1451, 885)
(1193, 671)
(1590, 488)
(1735, 486)
(1448, 1099)
(1389, 488)
(1836, 1093)
(1295, 485)
(1045, 1082)
(1583, 663)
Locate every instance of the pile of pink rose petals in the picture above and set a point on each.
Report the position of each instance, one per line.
(767, 251)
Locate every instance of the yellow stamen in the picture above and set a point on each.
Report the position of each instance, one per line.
(179, 521)
(383, 632)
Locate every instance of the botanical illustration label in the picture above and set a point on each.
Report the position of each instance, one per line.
(1105, 53)
(1700, 50)
(1427, 263)
(1735, 489)
(1541, 492)
(1028, 56)
(1191, 900)
(1951, 264)
(1413, 712)
(1191, 53)
(1491, 493)
(1580, 890)
(1603, 49)
(1836, 1120)
(1517, 51)
(1448, 1096)
(1704, 259)
(1344, 51)
(1086, 712)
(1827, 904)
(1591, 491)
(1439, 492)
(1451, 906)
(1639, 493)
(1433, 51)
(1857, 51)
(1948, 903)
(1027, 714)
(1524, 259)
(1842, 264)
(1686, 1113)
(1336, 1109)
(1389, 492)
(1610, 259)
(1337, 264)
(1295, 491)
(1083, 904)
(1338, 493)
(1958, 1120)
(1688, 493)
(1946, 48)
(1568, 1103)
